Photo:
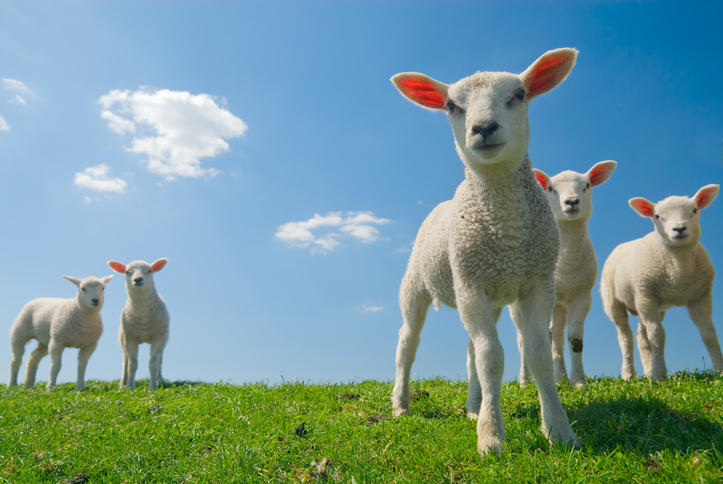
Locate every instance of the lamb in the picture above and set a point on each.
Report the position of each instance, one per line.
(569, 194)
(58, 324)
(667, 267)
(144, 319)
(494, 244)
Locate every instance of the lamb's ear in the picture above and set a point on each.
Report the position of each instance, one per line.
(706, 195)
(600, 173)
(105, 280)
(421, 89)
(548, 71)
(117, 266)
(542, 178)
(644, 207)
(159, 264)
(74, 280)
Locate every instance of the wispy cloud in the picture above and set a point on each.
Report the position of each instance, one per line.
(174, 129)
(370, 309)
(17, 87)
(335, 227)
(96, 178)
(4, 126)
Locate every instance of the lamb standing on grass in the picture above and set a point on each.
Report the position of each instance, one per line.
(144, 319)
(666, 268)
(58, 324)
(494, 244)
(570, 196)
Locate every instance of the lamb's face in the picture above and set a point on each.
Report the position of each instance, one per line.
(570, 196)
(488, 114)
(90, 291)
(677, 221)
(139, 276)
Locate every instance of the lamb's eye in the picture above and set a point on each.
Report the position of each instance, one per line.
(657, 216)
(520, 95)
(452, 107)
(549, 189)
(149, 271)
(82, 289)
(128, 272)
(695, 210)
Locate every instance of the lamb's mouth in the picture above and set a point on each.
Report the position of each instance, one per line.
(679, 236)
(571, 211)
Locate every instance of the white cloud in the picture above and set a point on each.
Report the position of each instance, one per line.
(96, 178)
(17, 87)
(371, 309)
(174, 129)
(18, 100)
(4, 126)
(358, 225)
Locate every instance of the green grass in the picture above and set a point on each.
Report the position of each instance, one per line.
(639, 431)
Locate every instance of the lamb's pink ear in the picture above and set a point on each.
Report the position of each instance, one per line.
(159, 264)
(117, 266)
(74, 280)
(600, 173)
(642, 206)
(548, 71)
(421, 89)
(706, 195)
(542, 178)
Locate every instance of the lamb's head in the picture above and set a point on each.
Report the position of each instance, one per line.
(90, 291)
(488, 110)
(570, 193)
(677, 219)
(139, 274)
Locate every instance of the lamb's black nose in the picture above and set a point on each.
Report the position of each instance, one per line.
(486, 129)
(680, 230)
(572, 202)
(138, 279)
(96, 301)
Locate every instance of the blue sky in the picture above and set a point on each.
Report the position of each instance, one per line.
(197, 131)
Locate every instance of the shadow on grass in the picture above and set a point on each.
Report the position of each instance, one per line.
(643, 424)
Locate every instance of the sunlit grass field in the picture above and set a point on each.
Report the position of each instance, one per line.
(639, 431)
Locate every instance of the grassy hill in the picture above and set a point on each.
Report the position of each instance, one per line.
(637, 431)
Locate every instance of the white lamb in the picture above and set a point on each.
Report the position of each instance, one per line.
(668, 267)
(58, 324)
(494, 244)
(144, 319)
(570, 196)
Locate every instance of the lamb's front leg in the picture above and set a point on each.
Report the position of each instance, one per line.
(83, 356)
(474, 391)
(557, 334)
(478, 316)
(531, 313)
(577, 311)
(701, 312)
(56, 352)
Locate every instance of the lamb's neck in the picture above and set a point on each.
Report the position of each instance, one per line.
(143, 297)
(85, 310)
(572, 231)
(502, 182)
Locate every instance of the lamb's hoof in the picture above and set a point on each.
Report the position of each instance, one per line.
(569, 439)
(627, 376)
(488, 445)
(80, 388)
(398, 411)
(472, 415)
(579, 383)
(524, 380)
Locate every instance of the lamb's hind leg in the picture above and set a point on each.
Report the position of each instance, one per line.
(531, 313)
(474, 391)
(626, 340)
(33, 360)
(701, 313)
(18, 347)
(154, 364)
(414, 300)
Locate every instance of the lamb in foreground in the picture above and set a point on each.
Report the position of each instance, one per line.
(58, 324)
(668, 267)
(570, 196)
(144, 319)
(494, 244)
